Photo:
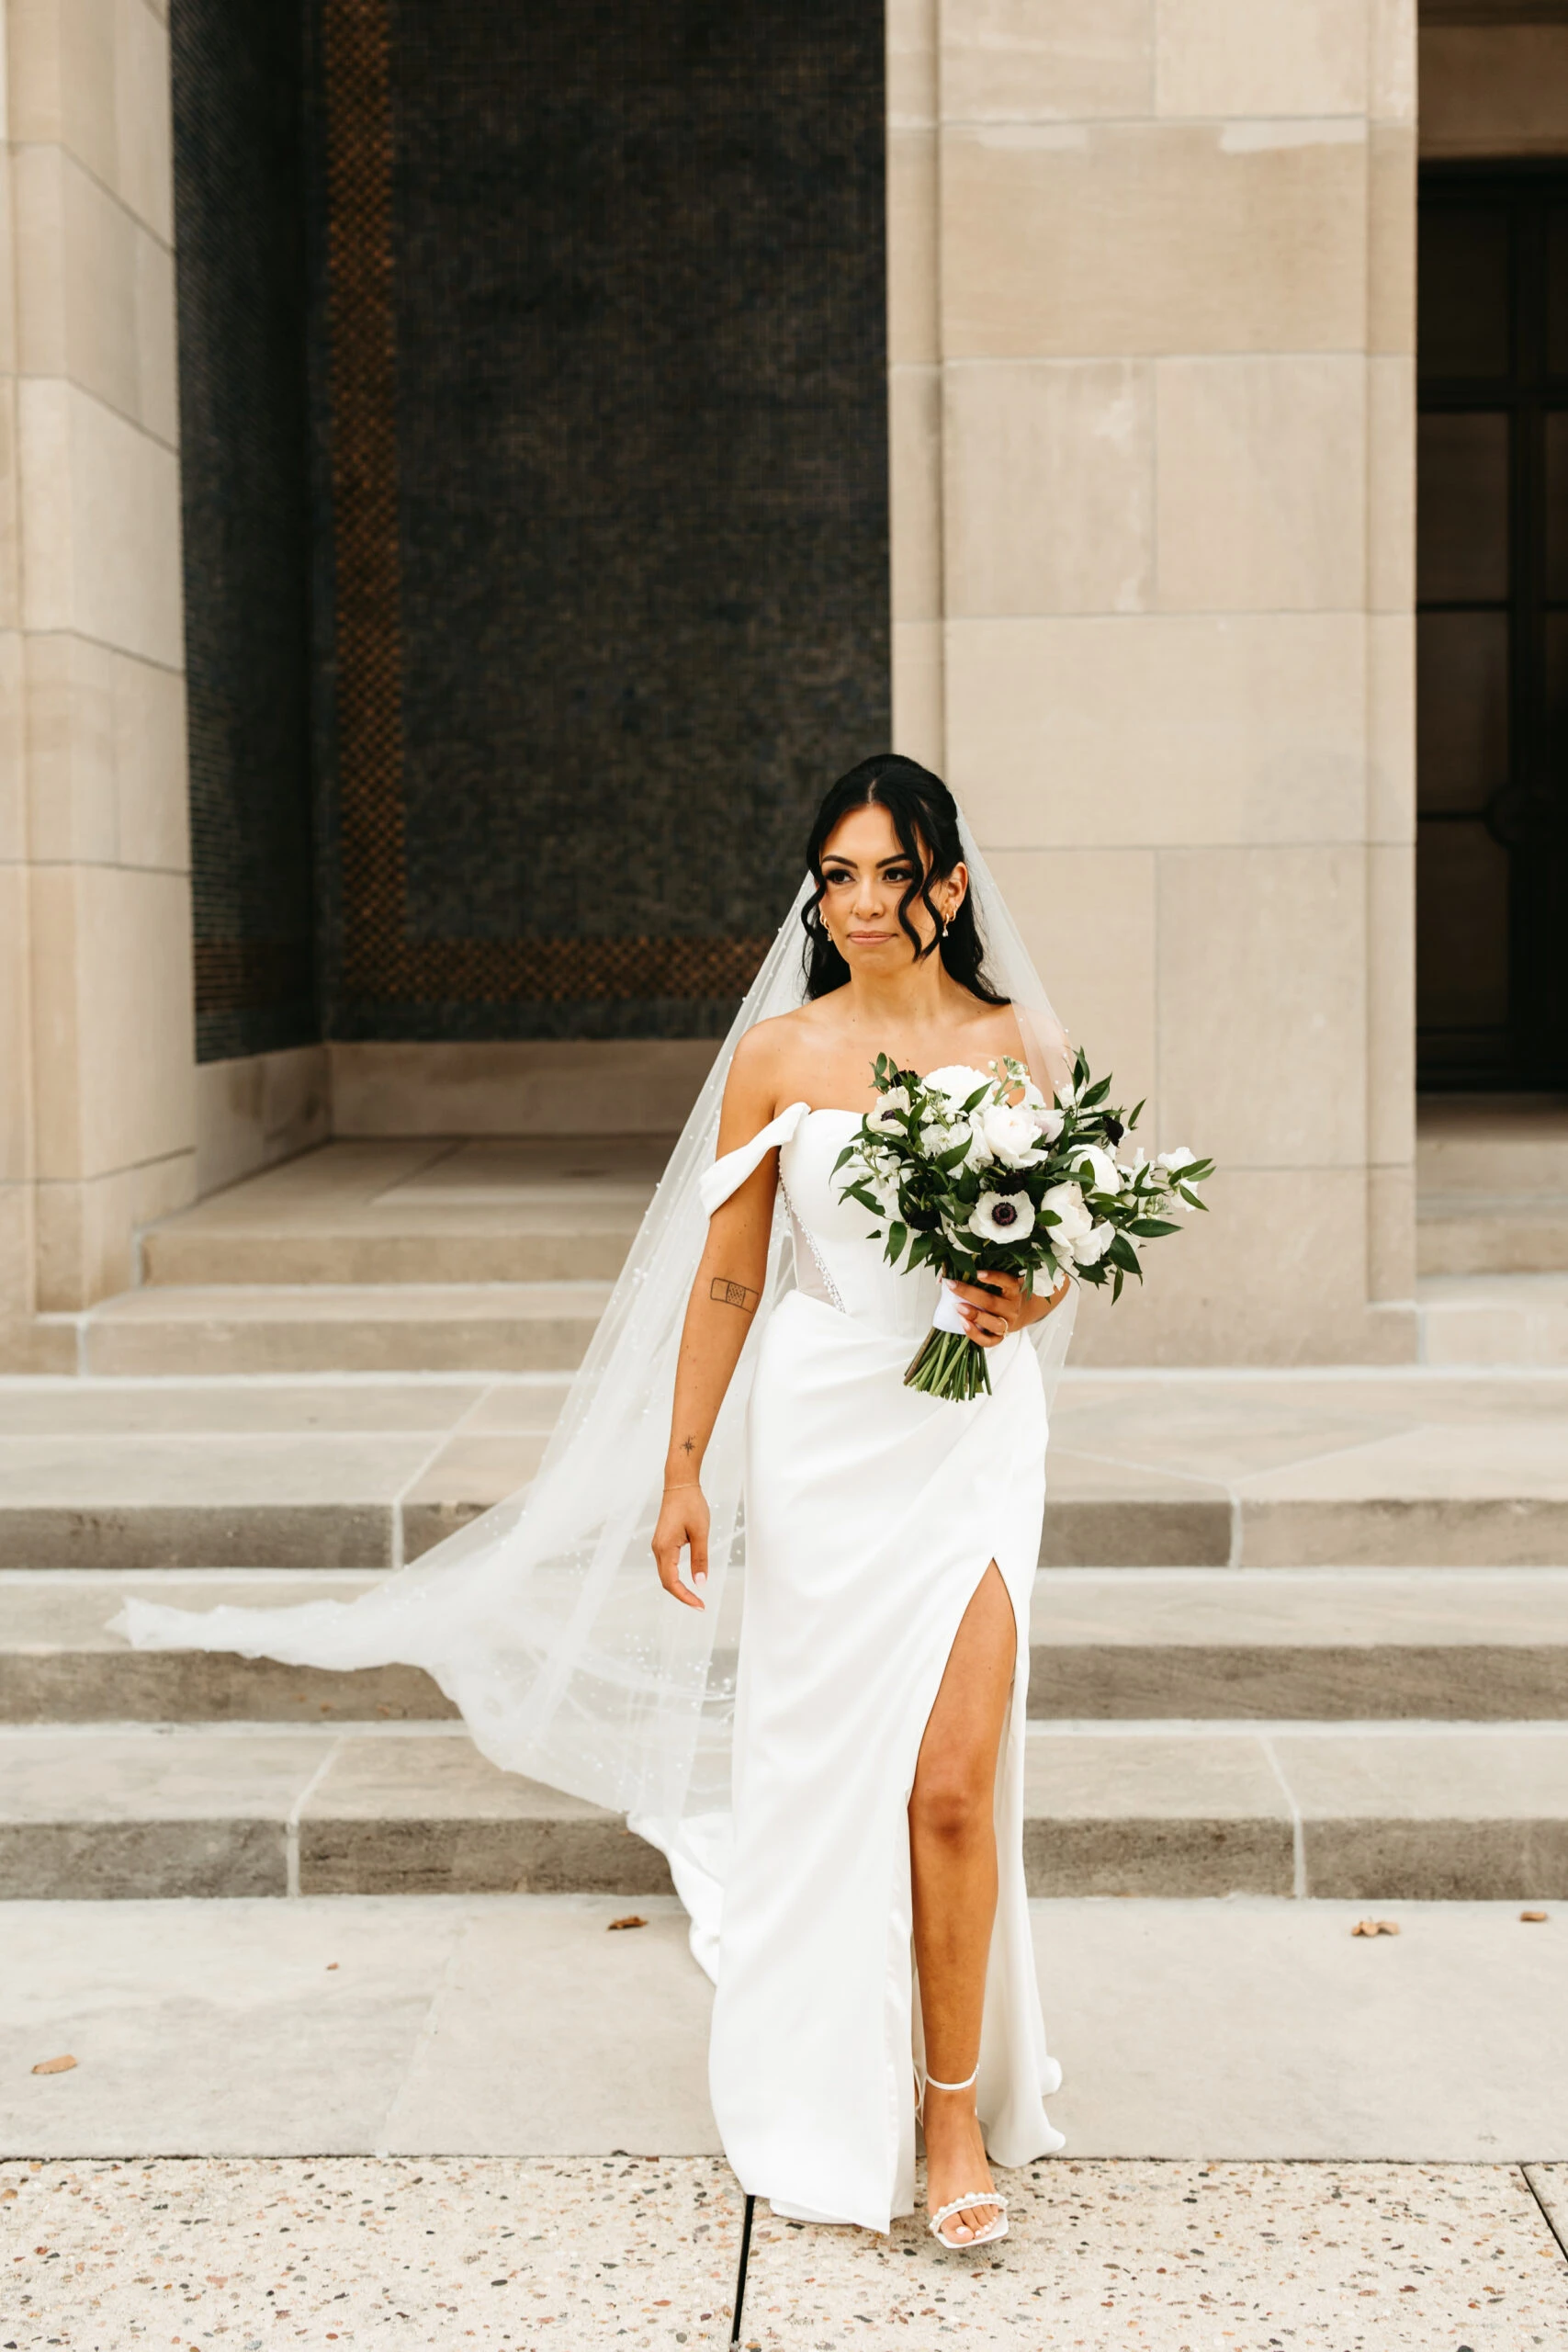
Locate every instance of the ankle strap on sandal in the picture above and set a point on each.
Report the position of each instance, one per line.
(967, 2083)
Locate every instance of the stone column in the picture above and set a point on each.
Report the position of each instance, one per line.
(1151, 311)
(94, 941)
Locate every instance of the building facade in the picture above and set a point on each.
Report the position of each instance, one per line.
(467, 483)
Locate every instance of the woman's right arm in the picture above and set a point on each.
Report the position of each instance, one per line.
(724, 1296)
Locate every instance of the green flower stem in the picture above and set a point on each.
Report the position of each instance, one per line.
(950, 1364)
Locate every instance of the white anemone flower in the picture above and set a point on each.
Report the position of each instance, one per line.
(892, 1109)
(1002, 1217)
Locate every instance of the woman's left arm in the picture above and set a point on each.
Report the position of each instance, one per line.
(996, 1306)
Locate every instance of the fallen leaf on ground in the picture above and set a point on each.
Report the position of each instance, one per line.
(1534, 1917)
(331, 1966)
(631, 1920)
(1375, 1927)
(55, 2065)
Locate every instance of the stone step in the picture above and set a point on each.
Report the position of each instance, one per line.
(1492, 1143)
(228, 1328)
(258, 1473)
(419, 1210)
(1410, 1469)
(1494, 1319)
(1492, 1233)
(1365, 1812)
(1107, 1644)
(58, 1662)
(1326, 1645)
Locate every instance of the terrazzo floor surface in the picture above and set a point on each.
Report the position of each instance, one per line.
(640, 2252)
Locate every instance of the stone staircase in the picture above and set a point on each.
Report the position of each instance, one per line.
(429, 1255)
(1300, 1632)
(1492, 1229)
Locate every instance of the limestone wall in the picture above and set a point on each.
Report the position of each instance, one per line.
(1150, 329)
(1151, 334)
(97, 1079)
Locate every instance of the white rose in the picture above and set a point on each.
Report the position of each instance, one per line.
(1107, 1175)
(981, 1152)
(1089, 1248)
(1066, 1203)
(956, 1082)
(1010, 1134)
(1050, 1122)
(1002, 1217)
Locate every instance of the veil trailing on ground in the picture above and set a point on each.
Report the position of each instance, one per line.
(543, 1621)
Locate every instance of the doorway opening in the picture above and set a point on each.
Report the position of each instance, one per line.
(1492, 628)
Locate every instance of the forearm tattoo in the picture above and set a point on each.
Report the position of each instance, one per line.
(724, 1293)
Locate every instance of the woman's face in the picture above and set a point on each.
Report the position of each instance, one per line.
(865, 874)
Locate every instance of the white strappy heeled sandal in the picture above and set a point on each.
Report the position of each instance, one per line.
(999, 2228)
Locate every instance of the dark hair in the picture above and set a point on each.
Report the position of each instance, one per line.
(925, 817)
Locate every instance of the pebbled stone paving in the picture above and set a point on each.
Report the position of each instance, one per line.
(249, 2254)
(253, 2254)
(1190, 2257)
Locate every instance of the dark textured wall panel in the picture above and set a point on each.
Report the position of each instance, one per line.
(239, 205)
(602, 385)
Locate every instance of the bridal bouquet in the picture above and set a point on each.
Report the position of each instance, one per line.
(968, 1173)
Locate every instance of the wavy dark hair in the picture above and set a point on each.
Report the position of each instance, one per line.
(925, 817)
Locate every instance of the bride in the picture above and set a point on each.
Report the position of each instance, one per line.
(826, 1737)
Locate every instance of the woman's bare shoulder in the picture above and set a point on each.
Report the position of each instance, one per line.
(772, 1046)
(768, 1070)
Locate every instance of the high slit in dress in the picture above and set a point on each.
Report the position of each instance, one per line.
(871, 1513)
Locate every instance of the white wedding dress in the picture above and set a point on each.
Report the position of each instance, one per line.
(871, 1513)
(852, 1519)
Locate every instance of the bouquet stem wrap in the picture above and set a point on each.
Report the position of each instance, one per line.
(948, 1363)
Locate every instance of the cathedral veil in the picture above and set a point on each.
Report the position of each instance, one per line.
(544, 1620)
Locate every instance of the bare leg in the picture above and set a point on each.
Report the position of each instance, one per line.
(953, 1858)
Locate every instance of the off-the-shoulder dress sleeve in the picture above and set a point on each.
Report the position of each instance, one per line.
(730, 1171)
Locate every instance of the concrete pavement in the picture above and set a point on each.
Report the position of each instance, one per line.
(516, 2024)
